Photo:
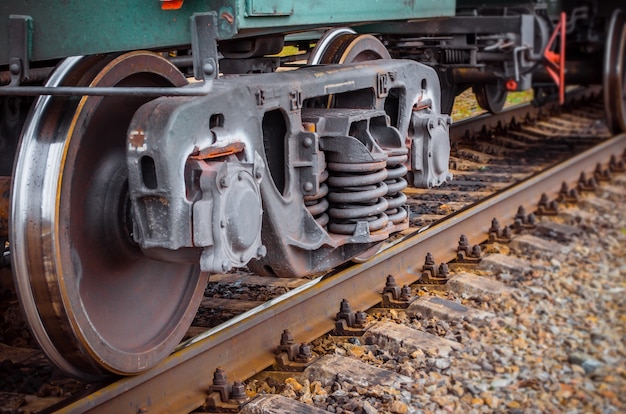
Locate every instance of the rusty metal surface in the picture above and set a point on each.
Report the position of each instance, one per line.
(181, 382)
(5, 192)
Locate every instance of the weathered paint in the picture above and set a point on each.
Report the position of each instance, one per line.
(78, 27)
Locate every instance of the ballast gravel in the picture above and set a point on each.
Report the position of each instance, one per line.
(555, 343)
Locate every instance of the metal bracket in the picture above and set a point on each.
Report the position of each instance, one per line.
(555, 62)
(20, 40)
(350, 323)
(204, 46)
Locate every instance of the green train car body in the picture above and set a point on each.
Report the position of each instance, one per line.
(83, 27)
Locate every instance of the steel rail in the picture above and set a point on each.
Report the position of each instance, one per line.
(245, 346)
(474, 125)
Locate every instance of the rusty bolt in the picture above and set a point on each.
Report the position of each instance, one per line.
(345, 313)
(476, 251)
(344, 306)
(495, 226)
(360, 318)
(219, 377)
(554, 205)
(238, 392)
(521, 214)
(406, 293)
(463, 243)
(392, 287)
(430, 260)
(506, 233)
(305, 351)
(444, 271)
(286, 338)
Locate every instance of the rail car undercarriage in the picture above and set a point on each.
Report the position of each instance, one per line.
(292, 173)
(262, 146)
(131, 185)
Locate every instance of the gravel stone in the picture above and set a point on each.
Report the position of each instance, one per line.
(554, 341)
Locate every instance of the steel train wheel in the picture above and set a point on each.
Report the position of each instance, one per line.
(614, 76)
(343, 45)
(94, 302)
(490, 96)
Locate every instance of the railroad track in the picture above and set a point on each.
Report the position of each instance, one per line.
(246, 315)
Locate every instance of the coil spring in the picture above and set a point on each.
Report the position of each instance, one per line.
(455, 56)
(357, 193)
(317, 204)
(396, 199)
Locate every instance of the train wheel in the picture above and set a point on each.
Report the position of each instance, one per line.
(614, 78)
(343, 45)
(94, 302)
(490, 96)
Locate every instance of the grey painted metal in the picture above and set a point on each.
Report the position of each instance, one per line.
(180, 383)
(260, 118)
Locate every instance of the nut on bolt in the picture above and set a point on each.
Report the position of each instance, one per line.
(585, 184)
(238, 392)
(392, 287)
(546, 207)
(305, 352)
(349, 323)
(431, 274)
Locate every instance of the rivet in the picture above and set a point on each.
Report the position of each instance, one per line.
(15, 68)
(208, 68)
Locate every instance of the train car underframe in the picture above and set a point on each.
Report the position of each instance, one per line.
(290, 173)
(151, 182)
